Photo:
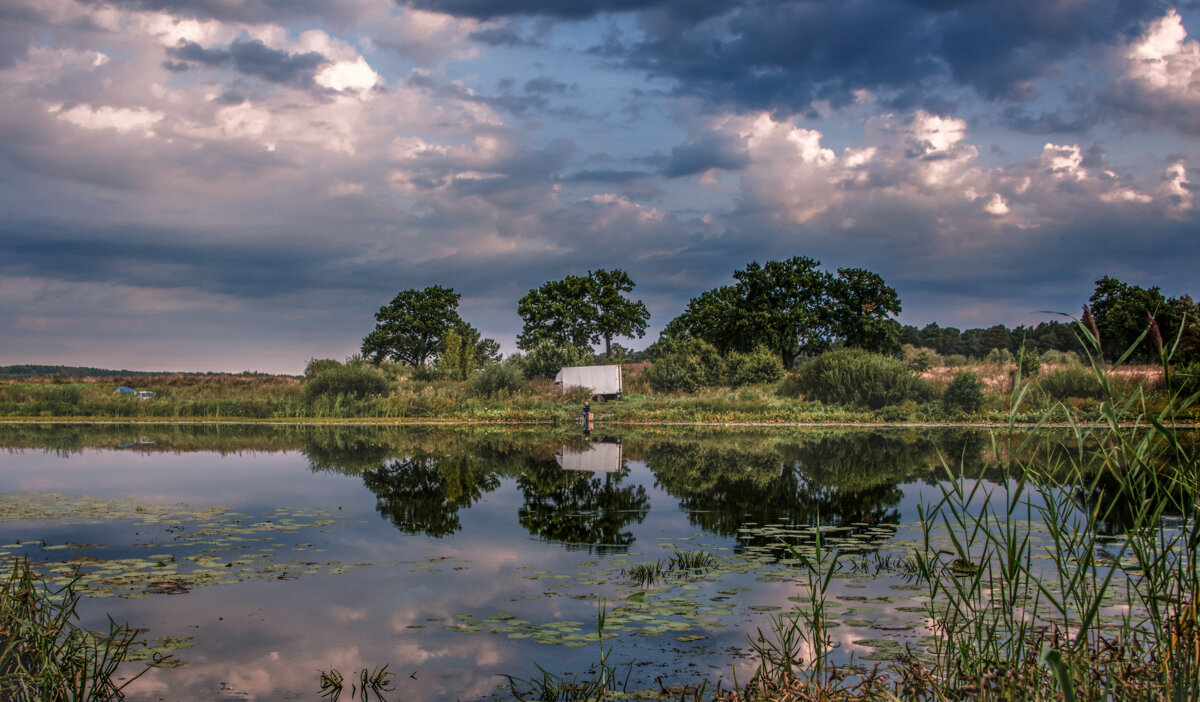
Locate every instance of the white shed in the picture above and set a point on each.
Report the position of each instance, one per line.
(601, 380)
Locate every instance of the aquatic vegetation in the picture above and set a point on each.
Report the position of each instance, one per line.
(372, 682)
(45, 656)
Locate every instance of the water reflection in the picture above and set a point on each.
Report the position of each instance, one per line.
(578, 509)
(423, 493)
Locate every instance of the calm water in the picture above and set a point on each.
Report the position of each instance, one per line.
(455, 556)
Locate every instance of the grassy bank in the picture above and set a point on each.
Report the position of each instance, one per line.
(1061, 393)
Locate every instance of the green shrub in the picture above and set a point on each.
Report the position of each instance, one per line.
(547, 358)
(1054, 357)
(964, 393)
(954, 360)
(316, 366)
(1072, 381)
(676, 372)
(999, 357)
(758, 366)
(1031, 363)
(352, 381)
(498, 378)
(857, 377)
(708, 360)
(920, 359)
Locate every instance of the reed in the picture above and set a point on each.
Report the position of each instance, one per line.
(45, 656)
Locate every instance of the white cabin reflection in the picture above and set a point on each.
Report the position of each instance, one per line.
(598, 457)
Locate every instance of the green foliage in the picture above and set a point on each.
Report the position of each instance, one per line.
(1030, 362)
(920, 359)
(758, 366)
(351, 381)
(582, 310)
(316, 366)
(1121, 311)
(547, 358)
(689, 365)
(1054, 357)
(954, 360)
(861, 378)
(410, 328)
(1187, 379)
(794, 309)
(999, 357)
(45, 654)
(863, 309)
(463, 350)
(498, 379)
(676, 372)
(1072, 381)
(964, 392)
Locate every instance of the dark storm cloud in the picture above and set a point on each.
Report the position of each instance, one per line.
(788, 54)
(168, 260)
(257, 59)
(17, 27)
(545, 85)
(507, 34)
(606, 176)
(488, 9)
(253, 58)
(715, 150)
(191, 51)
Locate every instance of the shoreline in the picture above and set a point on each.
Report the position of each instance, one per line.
(459, 422)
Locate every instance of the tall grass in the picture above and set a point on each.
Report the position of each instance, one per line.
(1078, 579)
(45, 656)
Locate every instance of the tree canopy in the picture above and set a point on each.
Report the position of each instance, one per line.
(409, 329)
(582, 310)
(793, 308)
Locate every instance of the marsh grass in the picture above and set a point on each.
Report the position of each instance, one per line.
(45, 656)
(1071, 612)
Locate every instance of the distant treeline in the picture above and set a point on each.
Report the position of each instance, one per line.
(28, 371)
(977, 343)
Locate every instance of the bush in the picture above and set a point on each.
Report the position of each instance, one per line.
(858, 377)
(355, 381)
(676, 372)
(547, 358)
(1073, 381)
(758, 366)
(316, 366)
(1031, 363)
(1054, 357)
(920, 359)
(498, 378)
(954, 360)
(964, 393)
(999, 357)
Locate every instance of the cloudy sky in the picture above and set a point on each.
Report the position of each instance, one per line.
(240, 184)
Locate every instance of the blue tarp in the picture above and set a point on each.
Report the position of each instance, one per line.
(124, 388)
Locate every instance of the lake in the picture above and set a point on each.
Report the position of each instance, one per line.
(257, 557)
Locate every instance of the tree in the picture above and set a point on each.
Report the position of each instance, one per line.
(1121, 311)
(616, 315)
(410, 328)
(581, 311)
(785, 306)
(463, 350)
(863, 311)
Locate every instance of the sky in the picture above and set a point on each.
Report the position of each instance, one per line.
(230, 185)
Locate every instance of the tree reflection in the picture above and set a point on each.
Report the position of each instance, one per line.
(841, 479)
(423, 493)
(577, 508)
